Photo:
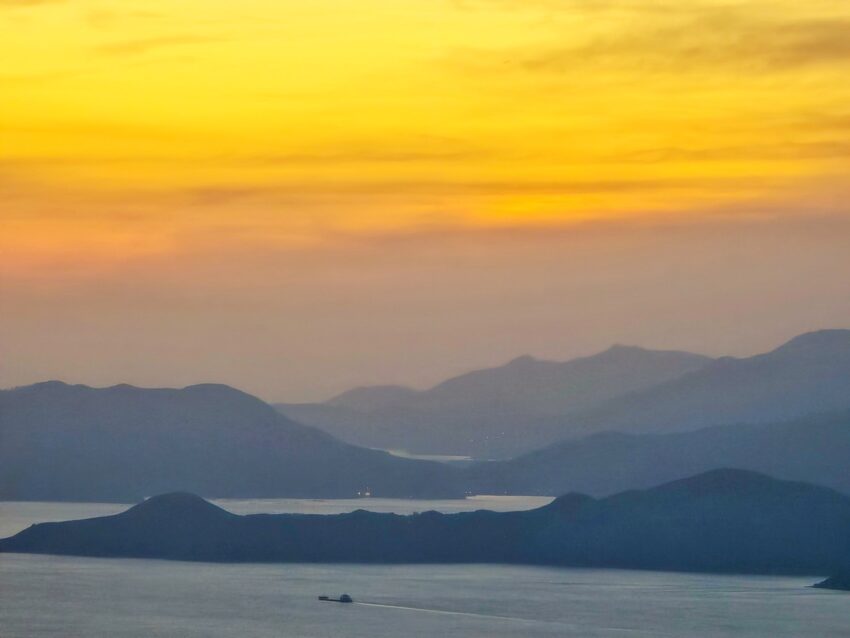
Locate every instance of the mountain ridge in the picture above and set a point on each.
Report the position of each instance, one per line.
(721, 521)
(480, 413)
(74, 442)
(495, 413)
(810, 373)
(812, 449)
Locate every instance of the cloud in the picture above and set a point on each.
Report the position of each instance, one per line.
(36, 78)
(137, 47)
(721, 39)
(412, 149)
(27, 3)
(363, 155)
(571, 6)
(827, 149)
(107, 18)
(389, 156)
(662, 36)
(216, 194)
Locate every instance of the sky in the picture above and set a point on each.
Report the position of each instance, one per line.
(295, 198)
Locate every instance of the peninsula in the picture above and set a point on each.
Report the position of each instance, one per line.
(719, 521)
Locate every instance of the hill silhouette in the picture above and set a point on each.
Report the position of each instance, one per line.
(63, 442)
(814, 449)
(808, 374)
(724, 520)
(839, 582)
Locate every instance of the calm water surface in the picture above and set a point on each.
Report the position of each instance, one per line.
(66, 596)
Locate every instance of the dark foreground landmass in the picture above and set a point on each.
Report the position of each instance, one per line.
(722, 521)
(840, 582)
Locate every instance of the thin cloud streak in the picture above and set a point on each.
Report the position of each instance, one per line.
(137, 47)
(27, 3)
(740, 38)
(740, 44)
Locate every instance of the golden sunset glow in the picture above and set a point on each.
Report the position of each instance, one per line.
(130, 127)
(398, 190)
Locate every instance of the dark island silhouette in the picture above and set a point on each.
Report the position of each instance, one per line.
(720, 521)
(839, 582)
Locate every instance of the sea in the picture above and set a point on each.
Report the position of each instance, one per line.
(69, 597)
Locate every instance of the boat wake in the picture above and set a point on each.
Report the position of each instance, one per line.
(446, 612)
(515, 619)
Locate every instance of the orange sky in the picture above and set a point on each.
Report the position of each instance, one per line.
(180, 179)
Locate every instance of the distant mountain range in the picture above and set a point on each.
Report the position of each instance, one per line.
(63, 442)
(814, 449)
(809, 374)
(529, 404)
(721, 521)
(492, 413)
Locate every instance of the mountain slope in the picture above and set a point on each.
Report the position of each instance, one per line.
(814, 449)
(530, 404)
(809, 374)
(370, 399)
(727, 520)
(496, 412)
(62, 442)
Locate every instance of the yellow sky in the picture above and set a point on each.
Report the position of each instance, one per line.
(129, 126)
(299, 197)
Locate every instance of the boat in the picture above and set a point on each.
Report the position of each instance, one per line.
(344, 598)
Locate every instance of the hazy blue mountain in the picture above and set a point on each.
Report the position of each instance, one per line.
(63, 442)
(726, 520)
(809, 374)
(529, 404)
(535, 387)
(370, 399)
(497, 412)
(814, 449)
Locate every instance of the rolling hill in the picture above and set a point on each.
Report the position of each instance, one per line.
(63, 442)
